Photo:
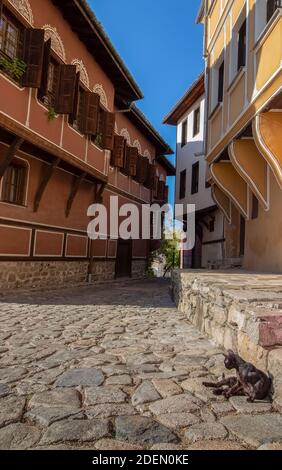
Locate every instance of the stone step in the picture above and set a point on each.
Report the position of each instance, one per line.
(239, 311)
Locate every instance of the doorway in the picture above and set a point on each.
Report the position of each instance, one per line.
(124, 259)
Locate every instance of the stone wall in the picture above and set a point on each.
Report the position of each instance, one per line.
(139, 268)
(37, 274)
(239, 311)
(103, 270)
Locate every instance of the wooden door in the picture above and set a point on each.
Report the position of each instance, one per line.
(124, 258)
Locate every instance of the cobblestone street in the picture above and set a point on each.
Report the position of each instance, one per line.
(116, 367)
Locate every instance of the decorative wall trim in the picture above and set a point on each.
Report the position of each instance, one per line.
(80, 67)
(56, 41)
(23, 7)
(48, 255)
(137, 144)
(124, 133)
(98, 88)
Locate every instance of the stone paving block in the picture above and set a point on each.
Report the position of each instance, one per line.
(99, 395)
(18, 437)
(142, 429)
(184, 403)
(62, 398)
(145, 393)
(83, 377)
(205, 431)
(167, 387)
(76, 431)
(255, 430)
(11, 409)
(241, 405)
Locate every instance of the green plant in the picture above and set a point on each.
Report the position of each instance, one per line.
(14, 67)
(51, 114)
(98, 138)
(169, 252)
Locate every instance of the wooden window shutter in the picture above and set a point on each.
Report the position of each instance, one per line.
(131, 161)
(33, 57)
(108, 130)
(73, 115)
(156, 186)
(45, 66)
(142, 164)
(118, 153)
(161, 191)
(66, 89)
(90, 113)
(150, 181)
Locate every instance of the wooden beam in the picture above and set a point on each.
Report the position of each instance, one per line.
(11, 151)
(45, 178)
(73, 192)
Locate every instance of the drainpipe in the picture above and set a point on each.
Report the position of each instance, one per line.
(206, 79)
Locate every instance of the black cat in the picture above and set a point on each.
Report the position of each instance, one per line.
(250, 381)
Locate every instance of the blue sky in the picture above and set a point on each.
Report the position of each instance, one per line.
(162, 47)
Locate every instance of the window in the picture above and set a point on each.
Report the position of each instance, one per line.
(52, 83)
(195, 178)
(196, 125)
(182, 189)
(272, 6)
(242, 44)
(255, 207)
(184, 133)
(75, 119)
(10, 37)
(242, 235)
(97, 139)
(212, 225)
(220, 82)
(13, 184)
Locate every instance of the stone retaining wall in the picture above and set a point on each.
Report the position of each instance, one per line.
(45, 274)
(239, 311)
(37, 274)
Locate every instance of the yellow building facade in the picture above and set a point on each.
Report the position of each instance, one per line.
(243, 53)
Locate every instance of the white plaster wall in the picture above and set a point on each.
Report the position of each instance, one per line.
(192, 153)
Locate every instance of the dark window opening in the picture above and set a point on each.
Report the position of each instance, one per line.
(272, 6)
(195, 178)
(255, 207)
(78, 112)
(50, 96)
(196, 125)
(242, 235)
(242, 45)
(98, 138)
(220, 82)
(184, 134)
(13, 184)
(182, 190)
(212, 225)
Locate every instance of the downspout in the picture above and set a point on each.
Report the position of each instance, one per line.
(206, 78)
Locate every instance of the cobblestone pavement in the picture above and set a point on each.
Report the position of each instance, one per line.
(116, 367)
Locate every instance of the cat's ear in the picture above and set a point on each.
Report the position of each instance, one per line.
(231, 353)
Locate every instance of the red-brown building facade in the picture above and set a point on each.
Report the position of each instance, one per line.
(70, 135)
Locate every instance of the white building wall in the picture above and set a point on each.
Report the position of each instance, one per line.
(192, 153)
(187, 156)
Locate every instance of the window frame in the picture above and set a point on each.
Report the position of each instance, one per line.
(197, 121)
(20, 192)
(182, 184)
(242, 46)
(184, 132)
(220, 82)
(195, 177)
